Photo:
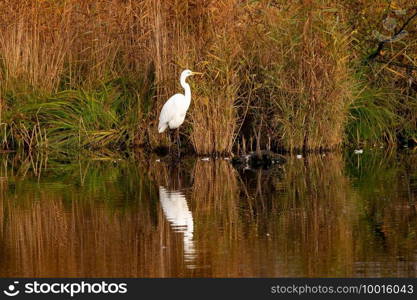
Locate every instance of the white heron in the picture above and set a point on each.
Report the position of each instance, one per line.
(174, 110)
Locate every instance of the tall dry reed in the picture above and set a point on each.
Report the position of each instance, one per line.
(34, 41)
(301, 59)
(277, 69)
(74, 42)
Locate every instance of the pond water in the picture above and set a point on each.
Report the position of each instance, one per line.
(333, 215)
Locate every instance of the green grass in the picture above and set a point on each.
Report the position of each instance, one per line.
(73, 119)
(373, 118)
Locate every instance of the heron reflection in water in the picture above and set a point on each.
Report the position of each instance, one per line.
(175, 208)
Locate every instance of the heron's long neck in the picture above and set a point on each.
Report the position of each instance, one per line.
(187, 90)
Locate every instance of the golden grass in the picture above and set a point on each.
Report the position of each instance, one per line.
(304, 91)
(32, 50)
(273, 67)
(45, 43)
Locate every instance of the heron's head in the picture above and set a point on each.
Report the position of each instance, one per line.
(187, 73)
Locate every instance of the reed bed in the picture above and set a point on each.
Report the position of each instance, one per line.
(275, 73)
(305, 86)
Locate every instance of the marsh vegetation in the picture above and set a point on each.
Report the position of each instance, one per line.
(299, 75)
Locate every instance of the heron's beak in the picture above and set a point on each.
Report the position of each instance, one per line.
(196, 73)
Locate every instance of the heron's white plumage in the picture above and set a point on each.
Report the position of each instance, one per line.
(174, 110)
(173, 113)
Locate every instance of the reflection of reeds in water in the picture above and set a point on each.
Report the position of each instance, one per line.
(303, 220)
(307, 219)
(317, 215)
(45, 237)
(215, 205)
(215, 191)
(101, 222)
(387, 187)
(290, 224)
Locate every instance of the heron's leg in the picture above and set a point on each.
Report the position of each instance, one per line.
(169, 142)
(169, 136)
(178, 141)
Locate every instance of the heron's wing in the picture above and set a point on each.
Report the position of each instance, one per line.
(169, 110)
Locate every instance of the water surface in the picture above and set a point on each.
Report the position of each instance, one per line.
(336, 215)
